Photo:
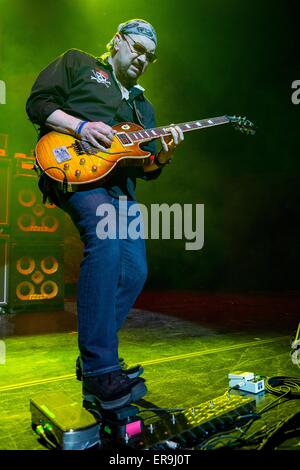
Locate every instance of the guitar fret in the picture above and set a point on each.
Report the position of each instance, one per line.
(185, 127)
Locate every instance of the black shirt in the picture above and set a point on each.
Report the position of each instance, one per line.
(84, 87)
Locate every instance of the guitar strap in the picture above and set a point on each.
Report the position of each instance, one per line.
(138, 114)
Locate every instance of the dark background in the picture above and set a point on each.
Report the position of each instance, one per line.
(215, 58)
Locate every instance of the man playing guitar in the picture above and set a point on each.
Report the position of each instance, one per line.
(84, 96)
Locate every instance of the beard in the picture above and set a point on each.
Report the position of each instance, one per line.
(128, 74)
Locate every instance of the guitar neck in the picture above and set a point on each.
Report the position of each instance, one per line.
(156, 132)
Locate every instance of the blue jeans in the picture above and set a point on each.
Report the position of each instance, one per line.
(112, 274)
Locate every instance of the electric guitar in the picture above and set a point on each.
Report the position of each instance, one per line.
(73, 163)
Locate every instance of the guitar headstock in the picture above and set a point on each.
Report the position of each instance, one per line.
(242, 124)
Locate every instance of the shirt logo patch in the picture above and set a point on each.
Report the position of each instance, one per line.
(101, 76)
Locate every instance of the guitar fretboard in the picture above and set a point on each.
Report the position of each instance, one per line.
(156, 132)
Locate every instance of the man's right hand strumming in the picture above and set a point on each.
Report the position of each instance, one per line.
(99, 134)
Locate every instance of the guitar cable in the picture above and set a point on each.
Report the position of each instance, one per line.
(281, 385)
(65, 180)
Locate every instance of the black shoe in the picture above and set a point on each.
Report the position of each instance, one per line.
(132, 372)
(112, 390)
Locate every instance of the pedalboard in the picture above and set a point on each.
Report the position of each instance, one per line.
(188, 428)
(69, 426)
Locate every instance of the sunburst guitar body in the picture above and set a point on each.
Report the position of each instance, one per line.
(64, 158)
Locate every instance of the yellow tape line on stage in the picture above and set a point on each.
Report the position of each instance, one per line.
(212, 351)
(152, 362)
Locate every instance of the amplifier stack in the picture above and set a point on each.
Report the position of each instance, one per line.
(31, 241)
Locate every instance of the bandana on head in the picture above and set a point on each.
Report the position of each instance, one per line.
(140, 27)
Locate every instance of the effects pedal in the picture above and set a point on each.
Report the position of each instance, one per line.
(63, 423)
(246, 381)
(118, 425)
(121, 425)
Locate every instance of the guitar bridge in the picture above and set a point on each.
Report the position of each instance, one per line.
(78, 148)
(82, 147)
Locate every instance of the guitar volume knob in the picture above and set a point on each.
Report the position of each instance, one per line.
(77, 173)
(66, 166)
(82, 161)
(94, 168)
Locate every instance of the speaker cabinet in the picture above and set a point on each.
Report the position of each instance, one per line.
(36, 275)
(5, 185)
(29, 216)
(4, 254)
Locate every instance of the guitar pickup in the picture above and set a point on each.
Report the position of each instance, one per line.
(124, 139)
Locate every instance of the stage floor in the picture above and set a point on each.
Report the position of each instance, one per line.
(187, 343)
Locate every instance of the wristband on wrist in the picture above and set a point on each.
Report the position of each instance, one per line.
(80, 127)
(158, 163)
